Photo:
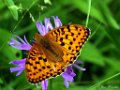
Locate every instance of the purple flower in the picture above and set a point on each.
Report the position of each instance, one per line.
(44, 84)
(69, 74)
(21, 44)
(20, 66)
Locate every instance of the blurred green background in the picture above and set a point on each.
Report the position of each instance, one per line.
(101, 54)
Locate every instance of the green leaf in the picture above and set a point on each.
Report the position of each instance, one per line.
(1, 81)
(91, 54)
(47, 2)
(74, 86)
(108, 15)
(114, 63)
(26, 4)
(13, 8)
(55, 82)
(82, 5)
(97, 85)
(8, 52)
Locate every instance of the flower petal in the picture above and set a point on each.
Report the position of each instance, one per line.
(20, 66)
(78, 62)
(41, 28)
(68, 76)
(20, 43)
(20, 39)
(16, 62)
(48, 25)
(44, 84)
(57, 22)
(66, 83)
(78, 67)
(26, 40)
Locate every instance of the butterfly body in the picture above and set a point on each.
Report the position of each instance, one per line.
(52, 53)
(49, 48)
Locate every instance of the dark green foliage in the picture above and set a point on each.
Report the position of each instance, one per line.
(101, 54)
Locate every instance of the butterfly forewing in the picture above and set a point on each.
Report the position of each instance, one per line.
(71, 37)
(38, 68)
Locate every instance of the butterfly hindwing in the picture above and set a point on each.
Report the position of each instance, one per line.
(38, 68)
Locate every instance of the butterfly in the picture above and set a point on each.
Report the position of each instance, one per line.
(52, 53)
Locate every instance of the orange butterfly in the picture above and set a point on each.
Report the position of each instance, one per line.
(52, 53)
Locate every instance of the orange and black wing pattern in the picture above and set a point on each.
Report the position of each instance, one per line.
(69, 38)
